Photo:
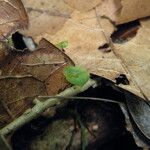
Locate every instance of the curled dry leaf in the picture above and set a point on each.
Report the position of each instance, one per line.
(12, 17)
(29, 74)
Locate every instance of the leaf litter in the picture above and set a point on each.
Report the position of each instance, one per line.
(86, 31)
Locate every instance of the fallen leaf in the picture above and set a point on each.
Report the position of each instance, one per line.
(49, 17)
(136, 57)
(83, 5)
(46, 16)
(122, 11)
(30, 74)
(12, 17)
(16, 94)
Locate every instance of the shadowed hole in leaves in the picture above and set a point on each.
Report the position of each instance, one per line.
(105, 48)
(122, 79)
(125, 32)
(18, 41)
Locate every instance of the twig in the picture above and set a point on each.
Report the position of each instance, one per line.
(42, 106)
(37, 64)
(84, 132)
(82, 98)
(56, 13)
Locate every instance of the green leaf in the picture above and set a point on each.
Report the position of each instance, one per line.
(62, 45)
(10, 42)
(76, 75)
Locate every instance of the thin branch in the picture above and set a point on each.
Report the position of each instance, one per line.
(55, 13)
(40, 107)
(37, 64)
(82, 98)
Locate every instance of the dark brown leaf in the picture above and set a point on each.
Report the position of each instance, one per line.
(16, 94)
(29, 74)
(3, 52)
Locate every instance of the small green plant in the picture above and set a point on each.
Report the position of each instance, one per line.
(62, 45)
(76, 75)
(10, 42)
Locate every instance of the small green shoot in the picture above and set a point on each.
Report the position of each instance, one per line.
(84, 137)
(62, 45)
(76, 75)
(84, 132)
(10, 42)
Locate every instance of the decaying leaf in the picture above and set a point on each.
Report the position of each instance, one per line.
(83, 5)
(16, 94)
(46, 20)
(122, 11)
(29, 74)
(12, 17)
(46, 16)
(135, 55)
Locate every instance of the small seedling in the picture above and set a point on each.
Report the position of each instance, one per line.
(62, 45)
(76, 75)
(9, 42)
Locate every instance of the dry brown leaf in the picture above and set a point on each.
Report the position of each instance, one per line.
(12, 17)
(122, 11)
(29, 74)
(16, 94)
(40, 63)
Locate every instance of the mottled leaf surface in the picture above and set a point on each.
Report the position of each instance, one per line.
(26, 75)
(12, 17)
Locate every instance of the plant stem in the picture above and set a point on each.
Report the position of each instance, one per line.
(40, 107)
(84, 132)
